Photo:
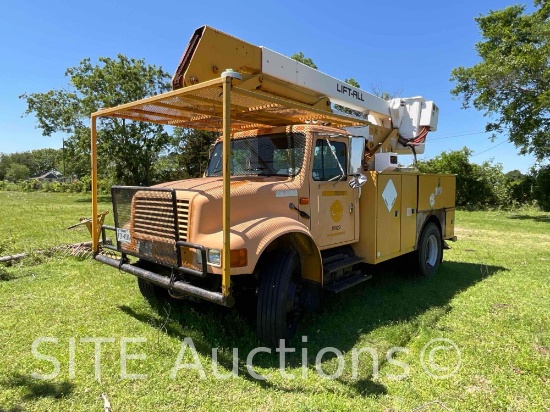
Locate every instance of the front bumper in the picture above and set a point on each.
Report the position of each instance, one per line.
(168, 283)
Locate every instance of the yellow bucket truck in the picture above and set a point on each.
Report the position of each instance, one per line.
(298, 196)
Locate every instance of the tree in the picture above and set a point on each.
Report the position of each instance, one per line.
(193, 150)
(542, 189)
(126, 150)
(5, 163)
(299, 57)
(520, 186)
(46, 160)
(511, 84)
(17, 172)
(38, 161)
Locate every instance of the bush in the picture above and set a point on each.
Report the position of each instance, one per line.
(542, 188)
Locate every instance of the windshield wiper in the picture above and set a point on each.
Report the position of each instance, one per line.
(213, 172)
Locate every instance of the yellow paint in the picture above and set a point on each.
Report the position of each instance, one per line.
(449, 223)
(367, 224)
(95, 228)
(336, 211)
(381, 230)
(260, 101)
(333, 212)
(388, 223)
(436, 191)
(215, 52)
(226, 202)
(408, 202)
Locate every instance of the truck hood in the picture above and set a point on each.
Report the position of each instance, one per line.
(212, 187)
(253, 199)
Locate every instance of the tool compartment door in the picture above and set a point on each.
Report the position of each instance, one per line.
(332, 202)
(388, 219)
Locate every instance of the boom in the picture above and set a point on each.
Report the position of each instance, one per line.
(210, 51)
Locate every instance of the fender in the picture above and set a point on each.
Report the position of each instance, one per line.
(265, 234)
(297, 235)
(422, 219)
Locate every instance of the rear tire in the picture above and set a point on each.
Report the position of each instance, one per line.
(430, 250)
(280, 297)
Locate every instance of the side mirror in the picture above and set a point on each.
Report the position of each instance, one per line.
(355, 161)
(358, 180)
(356, 155)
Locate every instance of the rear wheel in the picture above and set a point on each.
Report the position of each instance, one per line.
(430, 250)
(280, 297)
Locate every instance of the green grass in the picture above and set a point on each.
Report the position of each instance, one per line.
(490, 297)
(38, 220)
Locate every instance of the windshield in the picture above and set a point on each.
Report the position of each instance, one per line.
(279, 154)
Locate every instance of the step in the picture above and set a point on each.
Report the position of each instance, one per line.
(334, 258)
(346, 283)
(341, 264)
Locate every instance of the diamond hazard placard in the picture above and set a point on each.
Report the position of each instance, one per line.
(389, 195)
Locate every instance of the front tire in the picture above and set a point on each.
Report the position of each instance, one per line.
(430, 250)
(280, 297)
(149, 290)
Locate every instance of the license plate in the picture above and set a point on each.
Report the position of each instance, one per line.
(123, 235)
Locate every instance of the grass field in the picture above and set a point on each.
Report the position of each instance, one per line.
(491, 298)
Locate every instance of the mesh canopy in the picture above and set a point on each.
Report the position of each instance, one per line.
(200, 107)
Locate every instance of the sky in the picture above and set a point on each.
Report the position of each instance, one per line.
(408, 47)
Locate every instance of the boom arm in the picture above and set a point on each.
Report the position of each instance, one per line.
(210, 51)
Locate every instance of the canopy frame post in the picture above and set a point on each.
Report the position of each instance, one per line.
(95, 223)
(227, 76)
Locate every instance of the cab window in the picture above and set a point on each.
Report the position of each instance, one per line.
(325, 165)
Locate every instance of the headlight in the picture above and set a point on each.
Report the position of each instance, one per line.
(214, 257)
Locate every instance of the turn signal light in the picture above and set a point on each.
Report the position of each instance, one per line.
(239, 258)
(304, 200)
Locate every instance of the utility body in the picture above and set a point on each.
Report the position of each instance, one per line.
(298, 196)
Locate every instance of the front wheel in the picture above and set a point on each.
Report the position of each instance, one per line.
(149, 290)
(430, 250)
(280, 297)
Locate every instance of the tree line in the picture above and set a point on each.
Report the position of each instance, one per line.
(478, 186)
(184, 155)
(23, 165)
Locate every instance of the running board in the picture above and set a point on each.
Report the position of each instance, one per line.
(341, 264)
(346, 283)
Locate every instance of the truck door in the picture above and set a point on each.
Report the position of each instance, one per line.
(332, 200)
